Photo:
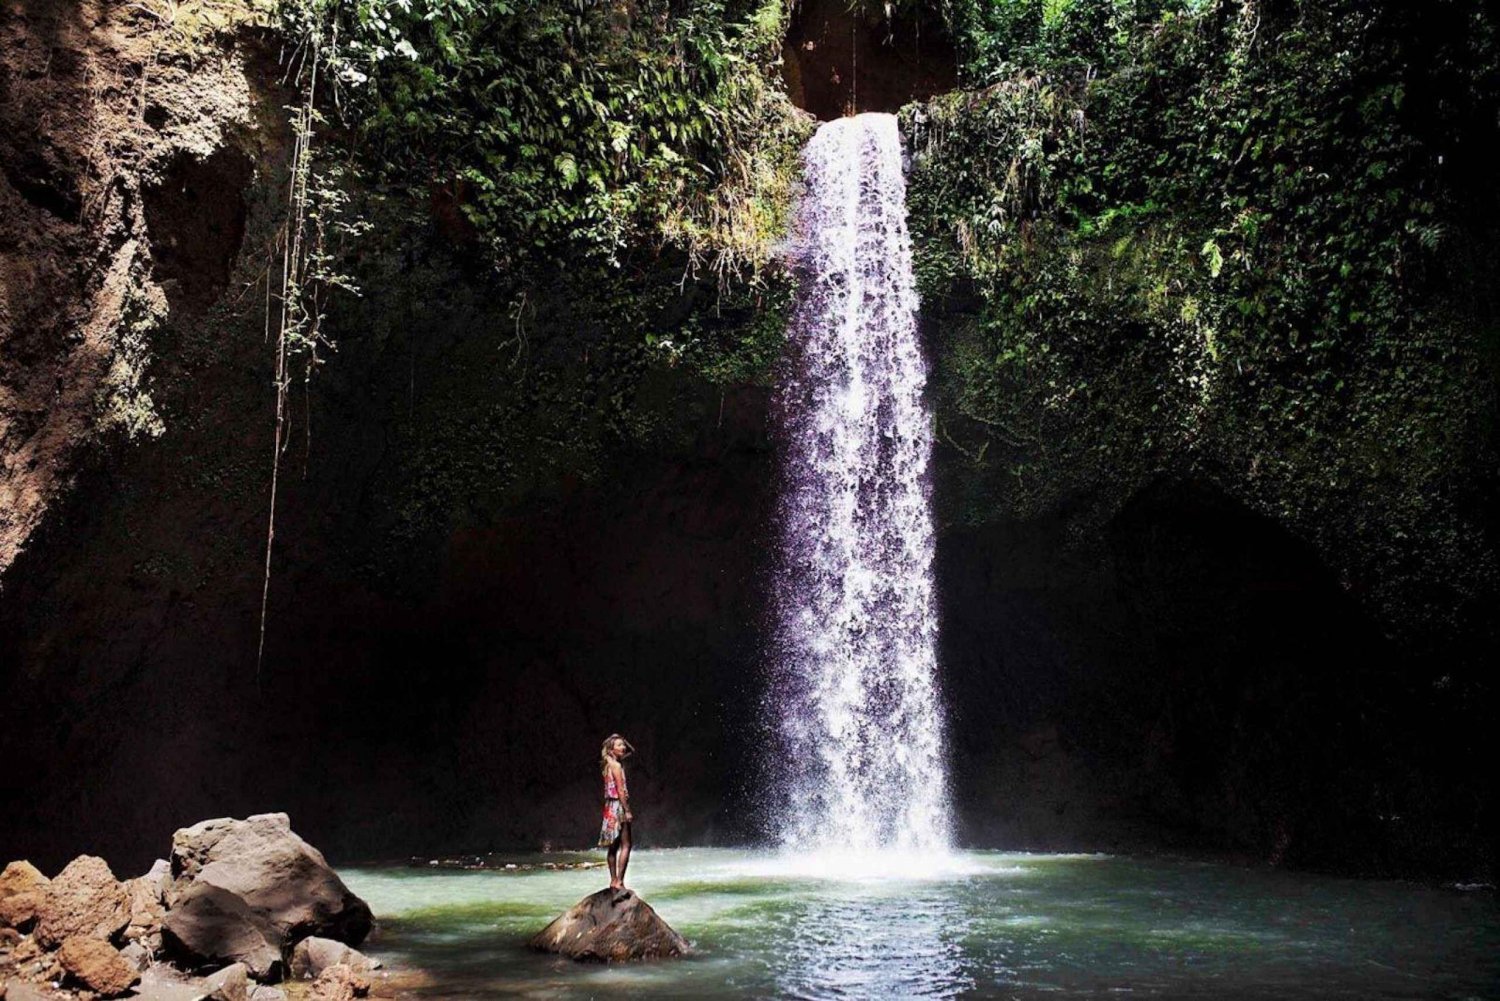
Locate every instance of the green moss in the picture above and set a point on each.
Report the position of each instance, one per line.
(1228, 257)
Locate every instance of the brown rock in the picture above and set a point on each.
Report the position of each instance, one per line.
(9, 938)
(339, 983)
(97, 965)
(146, 911)
(21, 887)
(19, 909)
(84, 899)
(20, 990)
(610, 926)
(20, 876)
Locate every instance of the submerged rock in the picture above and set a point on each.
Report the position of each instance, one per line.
(610, 926)
(247, 890)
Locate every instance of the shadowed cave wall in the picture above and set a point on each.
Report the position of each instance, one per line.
(444, 654)
(1191, 679)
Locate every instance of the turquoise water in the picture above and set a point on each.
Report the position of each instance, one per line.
(990, 924)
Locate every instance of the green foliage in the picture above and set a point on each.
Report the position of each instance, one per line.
(1228, 256)
(573, 129)
(995, 37)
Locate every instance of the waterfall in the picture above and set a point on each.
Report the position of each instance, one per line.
(854, 688)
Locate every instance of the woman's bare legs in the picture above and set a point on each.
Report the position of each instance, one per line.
(614, 880)
(624, 846)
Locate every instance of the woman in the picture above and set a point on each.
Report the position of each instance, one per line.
(615, 834)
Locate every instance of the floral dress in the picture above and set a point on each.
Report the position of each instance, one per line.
(614, 813)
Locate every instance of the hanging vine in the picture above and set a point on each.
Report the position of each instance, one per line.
(303, 272)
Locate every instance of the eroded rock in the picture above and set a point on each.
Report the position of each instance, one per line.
(84, 899)
(610, 926)
(19, 910)
(21, 887)
(20, 876)
(97, 965)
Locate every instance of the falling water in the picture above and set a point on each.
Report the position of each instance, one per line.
(855, 694)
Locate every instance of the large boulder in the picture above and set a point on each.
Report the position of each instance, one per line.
(84, 899)
(97, 965)
(610, 926)
(248, 890)
(21, 888)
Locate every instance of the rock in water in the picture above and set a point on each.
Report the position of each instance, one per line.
(247, 890)
(610, 926)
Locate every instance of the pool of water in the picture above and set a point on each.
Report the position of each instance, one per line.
(985, 924)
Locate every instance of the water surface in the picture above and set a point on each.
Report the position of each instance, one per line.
(991, 924)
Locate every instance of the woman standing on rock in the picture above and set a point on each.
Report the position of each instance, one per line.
(615, 833)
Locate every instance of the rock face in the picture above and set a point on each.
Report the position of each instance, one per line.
(247, 890)
(85, 899)
(97, 965)
(610, 926)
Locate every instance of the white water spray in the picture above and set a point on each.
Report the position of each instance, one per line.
(855, 691)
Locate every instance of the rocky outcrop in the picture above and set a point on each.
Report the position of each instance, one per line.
(84, 899)
(97, 966)
(610, 926)
(236, 898)
(131, 103)
(248, 890)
